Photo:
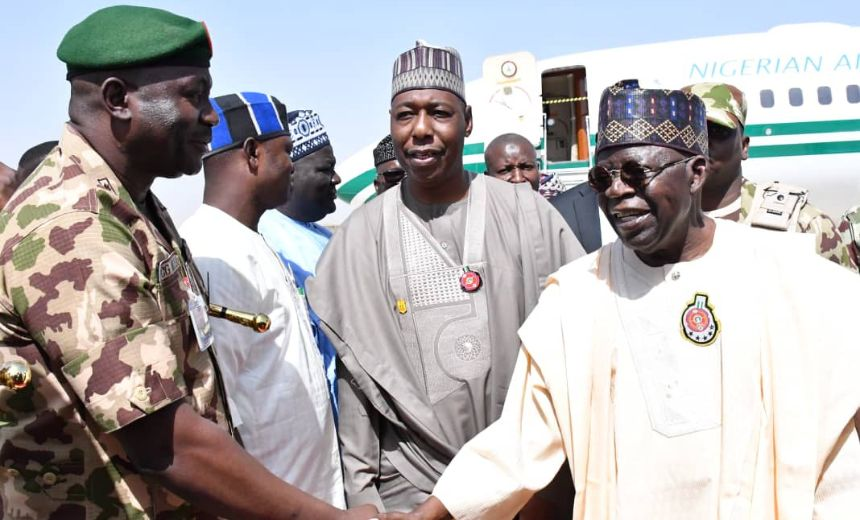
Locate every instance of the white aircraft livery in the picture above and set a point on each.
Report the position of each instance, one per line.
(802, 84)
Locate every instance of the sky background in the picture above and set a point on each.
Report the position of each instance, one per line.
(336, 57)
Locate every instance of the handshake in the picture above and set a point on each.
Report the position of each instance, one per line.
(431, 509)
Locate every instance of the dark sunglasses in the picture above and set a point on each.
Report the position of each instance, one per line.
(719, 132)
(394, 174)
(631, 173)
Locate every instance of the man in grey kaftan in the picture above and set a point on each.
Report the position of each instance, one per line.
(422, 295)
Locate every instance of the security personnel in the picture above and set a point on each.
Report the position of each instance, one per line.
(727, 194)
(850, 229)
(389, 173)
(125, 415)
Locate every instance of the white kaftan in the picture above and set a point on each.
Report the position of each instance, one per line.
(275, 380)
(751, 420)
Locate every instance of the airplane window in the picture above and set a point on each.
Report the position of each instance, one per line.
(824, 95)
(795, 97)
(766, 97)
(853, 92)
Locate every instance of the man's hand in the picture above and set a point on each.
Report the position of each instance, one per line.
(197, 460)
(538, 509)
(431, 509)
(365, 512)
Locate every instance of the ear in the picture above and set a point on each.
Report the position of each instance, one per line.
(697, 170)
(745, 148)
(115, 97)
(252, 150)
(468, 120)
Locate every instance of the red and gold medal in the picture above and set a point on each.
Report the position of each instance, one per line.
(470, 281)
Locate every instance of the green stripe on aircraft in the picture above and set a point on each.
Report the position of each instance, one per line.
(473, 149)
(790, 150)
(349, 189)
(805, 127)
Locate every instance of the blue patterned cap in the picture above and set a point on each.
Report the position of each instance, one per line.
(426, 66)
(632, 115)
(308, 133)
(244, 115)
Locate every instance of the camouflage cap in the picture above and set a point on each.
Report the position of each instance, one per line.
(725, 104)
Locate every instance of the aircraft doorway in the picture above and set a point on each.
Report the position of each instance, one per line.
(565, 108)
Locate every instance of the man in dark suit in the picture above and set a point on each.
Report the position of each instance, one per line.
(578, 206)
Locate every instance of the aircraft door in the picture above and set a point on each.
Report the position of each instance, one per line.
(565, 108)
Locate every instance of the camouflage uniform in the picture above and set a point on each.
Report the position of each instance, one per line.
(93, 298)
(849, 227)
(830, 242)
(727, 106)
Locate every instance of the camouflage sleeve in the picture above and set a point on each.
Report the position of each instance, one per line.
(83, 286)
(848, 238)
(830, 242)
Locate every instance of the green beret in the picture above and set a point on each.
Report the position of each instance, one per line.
(125, 36)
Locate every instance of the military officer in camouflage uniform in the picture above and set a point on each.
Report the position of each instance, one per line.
(849, 227)
(124, 416)
(727, 194)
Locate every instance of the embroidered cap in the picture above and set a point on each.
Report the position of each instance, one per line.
(244, 115)
(550, 185)
(384, 151)
(308, 133)
(426, 66)
(632, 115)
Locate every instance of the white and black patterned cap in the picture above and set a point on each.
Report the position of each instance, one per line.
(307, 132)
(426, 66)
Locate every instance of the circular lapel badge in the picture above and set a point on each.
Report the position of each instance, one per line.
(699, 323)
(470, 281)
